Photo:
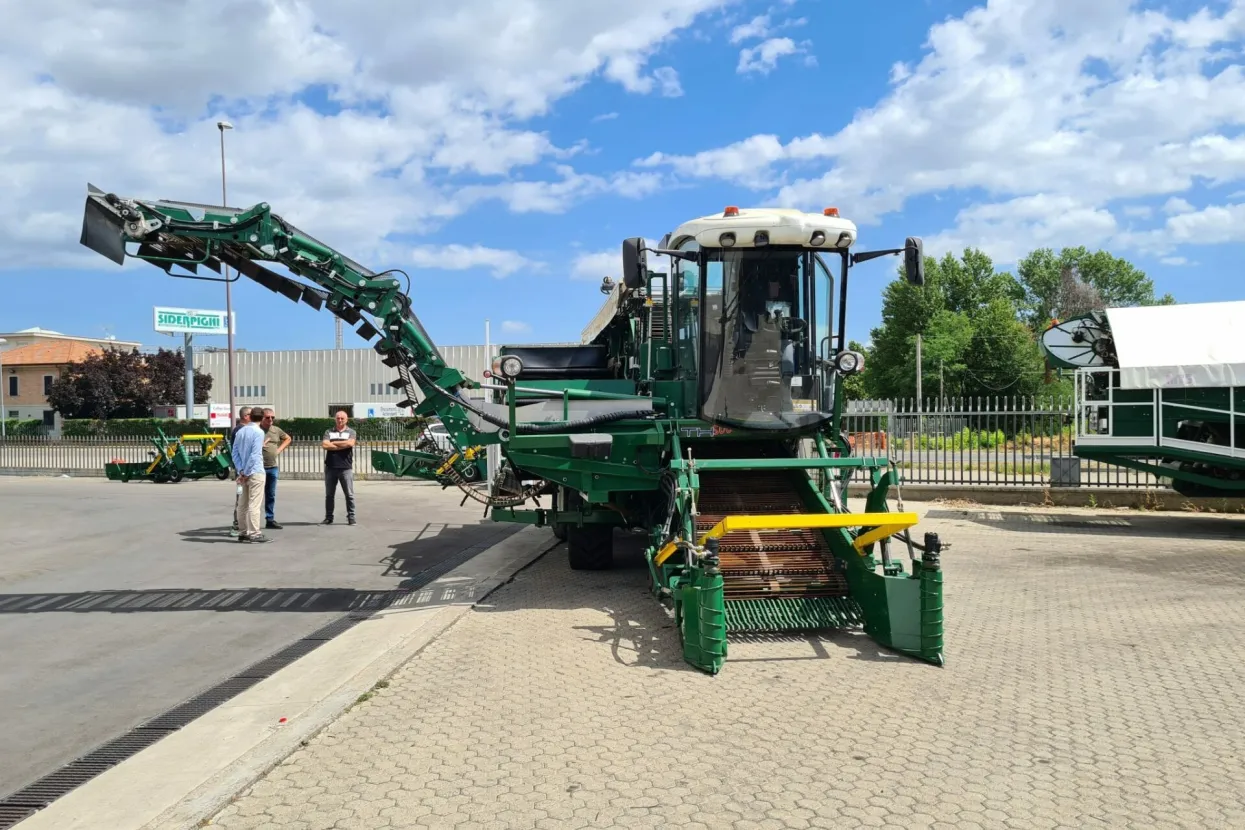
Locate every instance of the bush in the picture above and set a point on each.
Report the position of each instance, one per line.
(14, 426)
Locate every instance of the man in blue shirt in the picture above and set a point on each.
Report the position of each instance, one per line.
(248, 458)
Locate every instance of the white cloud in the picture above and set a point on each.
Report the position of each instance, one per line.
(605, 116)
(1009, 230)
(515, 327)
(455, 257)
(1177, 205)
(757, 27)
(594, 266)
(1174, 260)
(96, 91)
(1211, 225)
(1027, 99)
(764, 57)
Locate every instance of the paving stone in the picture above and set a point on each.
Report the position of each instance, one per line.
(1092, 681)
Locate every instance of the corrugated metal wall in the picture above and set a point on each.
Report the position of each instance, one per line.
(305, 384)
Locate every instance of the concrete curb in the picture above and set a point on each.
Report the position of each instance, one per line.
(193, 773)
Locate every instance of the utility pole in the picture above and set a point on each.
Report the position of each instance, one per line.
(224, 202)
(940, 395)
(190, 376)
(918, 370)
(337, 328)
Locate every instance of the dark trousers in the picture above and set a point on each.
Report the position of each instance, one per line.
(271, 474)
(331, 477)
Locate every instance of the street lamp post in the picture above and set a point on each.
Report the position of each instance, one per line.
(222, 126)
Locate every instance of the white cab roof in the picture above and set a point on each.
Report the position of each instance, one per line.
(785, 227)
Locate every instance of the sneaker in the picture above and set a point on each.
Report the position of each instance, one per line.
(351, 521)
(235, 534)
(327, 521)
(242, 537)
(273, 525)
(259, 538)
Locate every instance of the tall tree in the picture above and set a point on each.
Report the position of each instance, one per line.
(120, 384)
(966, 314)
(1043, 279)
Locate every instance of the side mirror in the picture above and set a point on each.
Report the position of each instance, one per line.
(634, 266)
(914, 260)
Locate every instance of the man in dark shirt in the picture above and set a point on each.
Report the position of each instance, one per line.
(338, 446)
(244, 418)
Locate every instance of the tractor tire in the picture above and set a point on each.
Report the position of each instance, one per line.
(223, 474)
(559, 532)
(471, 472)
(175, 475)
(590, 547)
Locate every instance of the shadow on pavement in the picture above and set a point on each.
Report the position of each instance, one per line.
(1157, 526)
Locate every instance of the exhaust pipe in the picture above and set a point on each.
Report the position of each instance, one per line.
(102, 226)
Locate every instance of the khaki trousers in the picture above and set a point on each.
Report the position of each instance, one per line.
(251, 505)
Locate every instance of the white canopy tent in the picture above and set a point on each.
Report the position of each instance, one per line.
(1178, 346)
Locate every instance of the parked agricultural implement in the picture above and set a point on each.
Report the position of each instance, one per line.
(1160, 389)
(701, 411)
(176, 458)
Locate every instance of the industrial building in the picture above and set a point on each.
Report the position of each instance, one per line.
(314, 383)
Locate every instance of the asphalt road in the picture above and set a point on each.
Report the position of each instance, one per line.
(82, 666)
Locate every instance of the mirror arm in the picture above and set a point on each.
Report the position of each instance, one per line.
(865, 256)
(689, 255)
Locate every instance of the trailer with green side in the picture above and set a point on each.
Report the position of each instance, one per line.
(175, 459)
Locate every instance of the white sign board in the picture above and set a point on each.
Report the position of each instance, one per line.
(380, 410)
(219, 416)
(191, 321)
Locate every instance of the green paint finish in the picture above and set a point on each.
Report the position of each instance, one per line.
(703, 620)
(792, 614)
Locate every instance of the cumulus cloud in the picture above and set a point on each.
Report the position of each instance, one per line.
(358, 122)
(455, 257)
(594, 266)
(1081, 105)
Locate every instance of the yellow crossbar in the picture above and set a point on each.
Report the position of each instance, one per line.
(881, 525)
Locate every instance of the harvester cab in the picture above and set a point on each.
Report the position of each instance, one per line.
(701, 409)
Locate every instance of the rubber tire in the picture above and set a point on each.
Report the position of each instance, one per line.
(590, 547)
(559, 532)
(175, 475)
(471, 472)
(223, 474)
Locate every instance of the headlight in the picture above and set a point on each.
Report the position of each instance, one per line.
(849, 363)
(817, 238)
(508, 366)
(726, 240)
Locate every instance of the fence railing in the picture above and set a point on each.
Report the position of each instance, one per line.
(87, 455)
(1005, 442)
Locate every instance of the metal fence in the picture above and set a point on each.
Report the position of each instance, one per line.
(85, 456)
(1005, 442)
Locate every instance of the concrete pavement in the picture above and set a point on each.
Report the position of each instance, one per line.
(120, 601)
(1093, 680)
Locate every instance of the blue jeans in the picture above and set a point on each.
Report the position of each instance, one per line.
(271, 474)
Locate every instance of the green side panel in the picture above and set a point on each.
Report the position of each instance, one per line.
(704, 621)
(615, 387)
(903, 604)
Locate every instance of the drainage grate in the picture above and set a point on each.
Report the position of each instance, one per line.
(26, 802)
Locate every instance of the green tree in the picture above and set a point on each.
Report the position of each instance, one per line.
(1117, 282)
(967, 316)
(119, 384)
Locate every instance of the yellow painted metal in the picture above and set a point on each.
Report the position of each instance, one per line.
(881, 525)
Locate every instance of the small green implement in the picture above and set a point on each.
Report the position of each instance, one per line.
(177, 458)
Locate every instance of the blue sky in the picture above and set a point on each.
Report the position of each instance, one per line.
(502, 171)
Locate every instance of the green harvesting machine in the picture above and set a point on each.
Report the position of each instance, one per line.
(175, 459)
(701, 410)
(1159, 389)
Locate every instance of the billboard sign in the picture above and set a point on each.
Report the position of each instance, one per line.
(191, 321)
(219, 417)
(379, 410)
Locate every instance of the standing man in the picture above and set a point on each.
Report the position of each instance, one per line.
(244, 418)
(248, 456)
(338, 446)
(275, 442)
